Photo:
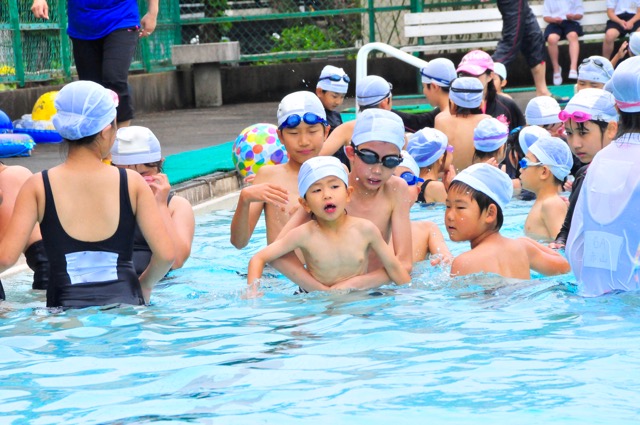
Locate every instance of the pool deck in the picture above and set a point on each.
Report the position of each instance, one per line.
(190, 129)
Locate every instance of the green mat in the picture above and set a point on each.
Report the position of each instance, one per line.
(189, 165)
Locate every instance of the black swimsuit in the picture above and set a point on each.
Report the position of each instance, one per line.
(141, 251)
(423, 190)
(87, 274)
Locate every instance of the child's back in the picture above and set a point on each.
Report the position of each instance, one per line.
(458, 123)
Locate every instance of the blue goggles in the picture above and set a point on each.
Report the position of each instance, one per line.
(294, 120)
(447, 83)
(336, 78)
(411, 178)
(526, 163)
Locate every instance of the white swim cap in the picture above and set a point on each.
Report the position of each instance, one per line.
(489, 180)
(319, 167)
(135, 145)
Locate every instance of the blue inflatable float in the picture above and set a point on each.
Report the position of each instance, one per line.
(12, 144)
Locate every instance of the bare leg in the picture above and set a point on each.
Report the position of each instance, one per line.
(552, 46)
(609, 38)
(574, 49)
(538, 73)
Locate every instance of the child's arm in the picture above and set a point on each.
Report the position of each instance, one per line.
(250, 204)
(545, 260)
(401, 223)
(437, 247)
(338, 138)
(391, 263)
(553, 213)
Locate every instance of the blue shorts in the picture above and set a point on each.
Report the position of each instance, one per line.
(563, 28)
(622, 31)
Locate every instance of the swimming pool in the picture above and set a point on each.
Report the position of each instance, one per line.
(434, 352)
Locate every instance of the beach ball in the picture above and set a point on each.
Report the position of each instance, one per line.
(44, 109)
(258, 145)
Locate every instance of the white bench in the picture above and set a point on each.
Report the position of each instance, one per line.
(460, 24)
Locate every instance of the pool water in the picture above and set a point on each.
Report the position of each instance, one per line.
(466, 351)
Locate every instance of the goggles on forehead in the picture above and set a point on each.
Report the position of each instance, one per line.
(596, 62)
(336, 78)
(372, 158)
(577, 116)
(411, 178)
(439, 80)
(294, 120)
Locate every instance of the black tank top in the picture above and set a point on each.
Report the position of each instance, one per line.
(141, 250)
(87, 274)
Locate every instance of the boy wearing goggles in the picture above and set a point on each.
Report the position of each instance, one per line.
(378, 195)
(331, 89)
(302, 128)
(325, 194)
(371, 92)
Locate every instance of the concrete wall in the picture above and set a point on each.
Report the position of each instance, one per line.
(241, 84)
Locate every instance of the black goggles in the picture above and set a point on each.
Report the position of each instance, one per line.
(372, 158)
(411, 178)
(336, 78)
(294, 120)
(596, 62)
(446, 83)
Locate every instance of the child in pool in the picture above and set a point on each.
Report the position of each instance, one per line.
(427, 239)
(489, 140)
(543, 171)
(475, 201)
(323, 186)
(302, 128)
(591, 120)
(431, 151)
(378, 195)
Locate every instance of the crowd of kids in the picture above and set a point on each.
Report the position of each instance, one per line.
(106, 228)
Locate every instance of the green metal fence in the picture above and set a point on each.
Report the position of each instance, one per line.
(33, 50)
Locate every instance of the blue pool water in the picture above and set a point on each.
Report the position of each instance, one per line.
(437, 351)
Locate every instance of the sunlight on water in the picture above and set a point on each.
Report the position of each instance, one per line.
(436, 351)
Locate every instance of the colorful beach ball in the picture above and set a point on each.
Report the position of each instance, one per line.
(256, 146)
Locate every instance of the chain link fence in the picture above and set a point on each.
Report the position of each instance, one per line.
(33, 50)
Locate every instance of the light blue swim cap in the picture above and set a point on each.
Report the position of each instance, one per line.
(319, 167)
(489, 180)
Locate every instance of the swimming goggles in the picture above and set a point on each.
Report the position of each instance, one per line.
(447, 83)
(598, 63)
(372, 158)
(577, 116)
(294, 120)
(376, 95)
(411, 178)
(526, 162)
(336, 78)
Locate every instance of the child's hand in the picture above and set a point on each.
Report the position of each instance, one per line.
(249, 179)
(159, 184)
(253, 290)
(448, 176)
(554, 245)
(268, 193)
(622, 51)
(492, 161)
(441, 260)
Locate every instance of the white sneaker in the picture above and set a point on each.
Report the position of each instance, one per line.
(557, 78)
(573, 74)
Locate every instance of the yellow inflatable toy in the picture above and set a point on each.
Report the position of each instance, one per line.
(44, 109)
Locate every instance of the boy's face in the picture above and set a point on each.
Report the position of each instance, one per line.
(327, 198)
(372, 176)
(304, 141)
(530, 176)
(584, 84)
(330, 100)
(463, 218)
(585, 139)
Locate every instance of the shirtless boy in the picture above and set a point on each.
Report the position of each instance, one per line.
(335, 245)
(302, 128)
(464, 114)
(475, 203)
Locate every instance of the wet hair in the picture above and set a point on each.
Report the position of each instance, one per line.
(481, 199)
(628, 122)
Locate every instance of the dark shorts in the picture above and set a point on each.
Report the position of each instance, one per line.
(106, 61)
(622, 31)
(520, 33)
(562, 29)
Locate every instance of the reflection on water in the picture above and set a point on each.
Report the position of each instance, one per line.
(473, 350)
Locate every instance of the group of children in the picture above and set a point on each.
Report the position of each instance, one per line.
(351, 227)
